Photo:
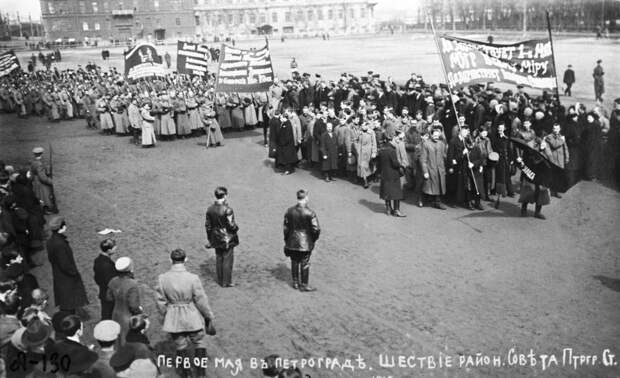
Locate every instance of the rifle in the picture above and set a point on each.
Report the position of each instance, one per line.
(51, 161)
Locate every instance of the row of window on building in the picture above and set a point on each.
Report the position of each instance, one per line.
(104, 6)
(309, 15)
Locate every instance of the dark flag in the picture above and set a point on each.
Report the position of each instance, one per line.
(244, 70)
(192, 58)
(539, 169)
(143, 61)
(8, 63)
(529, 63)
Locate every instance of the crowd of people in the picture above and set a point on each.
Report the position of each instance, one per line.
(341, 126)
(446, 147)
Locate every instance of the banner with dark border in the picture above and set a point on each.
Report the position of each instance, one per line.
(242, 70)
(143, 61)
(528, 63)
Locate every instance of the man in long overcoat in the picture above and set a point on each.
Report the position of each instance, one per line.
(558, 150)
(599, 82)
(301, 231)
(42, 184)
(432, 160)
(69, 292)
(286, 152)
(182, 298)
(461, 167)
(328, 148)
(124, 291)
(390, 168)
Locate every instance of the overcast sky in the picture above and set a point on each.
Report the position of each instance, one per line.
(385, 9)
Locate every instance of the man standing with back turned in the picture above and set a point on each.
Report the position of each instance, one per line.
(301, 231)
(222, 235)
(182, 298)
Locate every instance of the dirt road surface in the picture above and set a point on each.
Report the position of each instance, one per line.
(453, 283)
(438, 284)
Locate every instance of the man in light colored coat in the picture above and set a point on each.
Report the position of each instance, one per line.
(182, 298)
(557, 151)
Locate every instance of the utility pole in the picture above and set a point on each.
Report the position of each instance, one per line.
(602, 15)
(524, 17)
(19, 22)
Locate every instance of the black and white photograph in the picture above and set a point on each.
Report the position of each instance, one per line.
(309, 188)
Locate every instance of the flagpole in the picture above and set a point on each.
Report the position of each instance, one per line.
(557, 91)
(445, 75)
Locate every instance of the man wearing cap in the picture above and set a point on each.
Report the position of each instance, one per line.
(301, 231)
(182, 298)
(42, 184)
(599, 82)
(106, 333)
(35, 343)
(432, 161)
(69, 291)
(124, 291)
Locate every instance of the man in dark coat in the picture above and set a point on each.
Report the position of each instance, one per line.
(599, 82)
(69, 292)
(461, 167)
(104, 271)
(569, 80)
(301, 231)
(391, 170)
(222, 235)
(328, 148)
(274, 126)
(70, 347)
(286, 151)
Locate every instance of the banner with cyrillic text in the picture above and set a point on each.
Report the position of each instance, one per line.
(244, 70)
(528, 63)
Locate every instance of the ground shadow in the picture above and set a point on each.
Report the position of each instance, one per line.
(505, 210)
(281, 272)
(610, 283)
(208, 267)
(376, 207)
(234, 134)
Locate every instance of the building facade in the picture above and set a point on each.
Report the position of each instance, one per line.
(117, 19)
(221, 18)
(202, 19)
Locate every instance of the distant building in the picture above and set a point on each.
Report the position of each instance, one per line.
(191, 19)
(219, 18)
(117, 19)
